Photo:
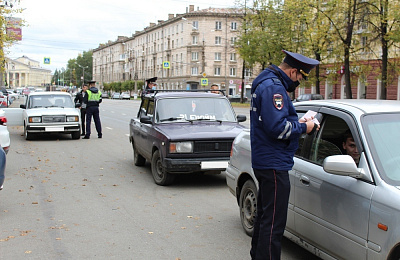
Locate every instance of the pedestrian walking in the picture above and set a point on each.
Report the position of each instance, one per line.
(92, 100)
(80, 99)
(274, 132)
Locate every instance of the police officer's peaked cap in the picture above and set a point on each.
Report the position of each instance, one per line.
(91, 81)
(151, 80)
(300, 62)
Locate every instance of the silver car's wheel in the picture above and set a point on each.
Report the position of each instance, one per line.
(248, 206)
(160, 175)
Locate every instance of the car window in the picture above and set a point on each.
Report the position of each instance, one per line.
(299, 151)
(329, 139)
(150, 108)
(383, 137)
(182, 109)
(143, 108)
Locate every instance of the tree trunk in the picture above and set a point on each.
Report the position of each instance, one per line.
(347, 73)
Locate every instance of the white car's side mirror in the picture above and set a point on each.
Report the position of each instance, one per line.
(342, 165)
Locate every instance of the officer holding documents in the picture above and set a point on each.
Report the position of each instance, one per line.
(275, 131)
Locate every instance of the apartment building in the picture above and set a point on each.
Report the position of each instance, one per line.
(188, 51)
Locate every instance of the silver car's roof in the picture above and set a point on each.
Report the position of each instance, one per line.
(364, 106)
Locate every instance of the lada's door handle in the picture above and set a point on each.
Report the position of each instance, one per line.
(305, 180)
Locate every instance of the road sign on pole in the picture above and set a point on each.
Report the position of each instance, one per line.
(166, 65)
(204, 82)
(46, 60)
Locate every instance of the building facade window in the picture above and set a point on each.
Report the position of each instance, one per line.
(195, 71)
(195, 56)
(218, 25)
(217, 71)
(218, 40)
(195, 25)
(233, 57)
(232, 72)
(218, 56)
(233, 26)
(194, 40)
(233, 40)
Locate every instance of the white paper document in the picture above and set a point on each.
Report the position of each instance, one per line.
(310, 114)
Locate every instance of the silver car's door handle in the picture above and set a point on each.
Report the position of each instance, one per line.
(305, 180)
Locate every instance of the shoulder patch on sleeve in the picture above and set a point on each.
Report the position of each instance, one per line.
(278, 101)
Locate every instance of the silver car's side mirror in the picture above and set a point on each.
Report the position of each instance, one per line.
(342, 165)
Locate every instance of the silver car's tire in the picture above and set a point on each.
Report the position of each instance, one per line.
(76, 135)
(248, 206)
(160, 175)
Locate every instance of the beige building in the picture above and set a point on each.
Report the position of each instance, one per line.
(188, 51)
(24, 72)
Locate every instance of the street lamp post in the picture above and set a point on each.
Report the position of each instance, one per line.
(83, 72)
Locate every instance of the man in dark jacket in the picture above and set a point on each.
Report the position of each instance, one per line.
(79, 99)
(274, 132)
(92, 100)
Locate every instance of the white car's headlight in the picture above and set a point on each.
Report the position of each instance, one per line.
(72, 118)
(181, 147)
(35, 119)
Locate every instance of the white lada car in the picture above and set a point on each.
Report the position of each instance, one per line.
(47, 112)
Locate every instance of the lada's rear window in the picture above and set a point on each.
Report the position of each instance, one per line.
(185, 109)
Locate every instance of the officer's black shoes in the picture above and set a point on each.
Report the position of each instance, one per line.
(86, 137)
(100, 136)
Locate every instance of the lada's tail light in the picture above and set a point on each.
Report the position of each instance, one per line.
(3, 120)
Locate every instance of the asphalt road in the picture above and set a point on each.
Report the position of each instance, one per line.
(85, 199)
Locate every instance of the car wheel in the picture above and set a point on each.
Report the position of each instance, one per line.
(138, 159)
(248, 206)
(160, 175)
(76, 135)
(28, 136)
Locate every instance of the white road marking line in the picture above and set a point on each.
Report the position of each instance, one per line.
(109, 128)
(127, 135)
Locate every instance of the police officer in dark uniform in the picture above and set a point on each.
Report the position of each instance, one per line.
(92, 100)
(274, 132)
(150, 85)
(80, 99)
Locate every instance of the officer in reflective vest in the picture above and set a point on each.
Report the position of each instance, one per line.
(92, 100)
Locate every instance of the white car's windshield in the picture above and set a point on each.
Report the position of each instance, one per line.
(384, 141)
(38, 101)
(187, 109)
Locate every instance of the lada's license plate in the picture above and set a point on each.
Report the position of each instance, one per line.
(54, 129)
(214, 165)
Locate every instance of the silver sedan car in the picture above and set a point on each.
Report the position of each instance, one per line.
(345, 198)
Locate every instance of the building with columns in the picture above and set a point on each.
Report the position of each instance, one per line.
(24, 72)
(182, 52)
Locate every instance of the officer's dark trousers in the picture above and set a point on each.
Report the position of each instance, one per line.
(93, 111)
(83, 119)
(272, 205)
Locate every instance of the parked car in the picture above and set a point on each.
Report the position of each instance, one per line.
(4, 134)
(125, 95)
(236, 98)
(104, 94)
(307, 97)
(183, 133)
(50, 112)
(116, 95)
(3, 159)
(339, 207)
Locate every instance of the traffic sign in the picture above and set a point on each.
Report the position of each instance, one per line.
(46, 60)
(166, 65)
(204, 82)
(204, 75)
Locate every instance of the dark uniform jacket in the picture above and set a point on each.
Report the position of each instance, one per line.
(79, 98)
(89, 100)
(275, 129)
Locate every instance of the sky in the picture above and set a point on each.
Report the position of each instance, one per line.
(61, 30)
